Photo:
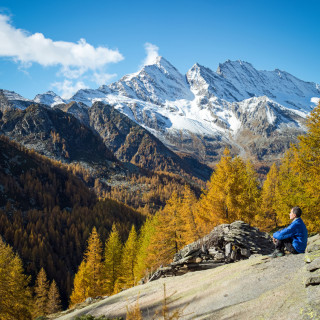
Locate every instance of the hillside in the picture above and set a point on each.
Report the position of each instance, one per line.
(257, 288)
(132, 143)
(104, 147)
(47, 214)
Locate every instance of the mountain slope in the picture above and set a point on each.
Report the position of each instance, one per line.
(47, 214)
(55, 134)
(10, 99)
(132, 143)
(257, 288)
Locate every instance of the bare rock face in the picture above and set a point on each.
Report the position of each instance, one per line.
(226, 243)
(312, 258)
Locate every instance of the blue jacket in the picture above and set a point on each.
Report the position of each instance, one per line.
(298, 232)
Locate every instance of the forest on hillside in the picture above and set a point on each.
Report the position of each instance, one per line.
(99, 247)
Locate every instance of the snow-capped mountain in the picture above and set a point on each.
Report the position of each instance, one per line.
(155, 83)
(278, 85)
(9, 99)
(49, 98)
(250, 111)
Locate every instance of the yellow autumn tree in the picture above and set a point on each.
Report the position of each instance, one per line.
(308, 166)
(299, 174)
(167, 239)
(142, 266)
(88, 281)
(112, 260)
(54, 302)
(266, 217)
(189, 231)
(80, 285)
(127, 278)
(15, 301)
(232, 194)
(41, 289)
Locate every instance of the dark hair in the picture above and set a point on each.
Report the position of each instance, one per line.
(297, 211)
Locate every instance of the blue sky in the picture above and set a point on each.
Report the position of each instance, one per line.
(41, 50)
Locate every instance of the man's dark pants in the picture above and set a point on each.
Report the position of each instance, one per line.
(285, 244)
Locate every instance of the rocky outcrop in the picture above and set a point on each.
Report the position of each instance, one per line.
(312, 258)
(224, 244)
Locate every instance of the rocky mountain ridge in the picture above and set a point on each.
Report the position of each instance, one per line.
(254, 113)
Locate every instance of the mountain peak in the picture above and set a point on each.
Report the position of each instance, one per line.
(234, 65)
(49, 98)
(161, 64)
(156, 60)
(157, 83)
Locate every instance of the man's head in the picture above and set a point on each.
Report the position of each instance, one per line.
(295, 213)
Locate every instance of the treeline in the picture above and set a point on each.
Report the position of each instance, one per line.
(53, 235)
(150, 191)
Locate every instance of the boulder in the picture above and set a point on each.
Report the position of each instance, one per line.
(226, 243)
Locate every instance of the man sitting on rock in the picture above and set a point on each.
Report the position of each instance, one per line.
(293, 238)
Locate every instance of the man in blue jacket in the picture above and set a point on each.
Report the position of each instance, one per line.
(294, 238)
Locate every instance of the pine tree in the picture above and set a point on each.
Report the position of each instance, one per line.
(112, 260)
(88, 281)
(167, 238)
(189, 231)
(232, 194)
(41, 289)
(289, 191)
(307, 167)
(127, 277)
(142, 266)
(54, 302)
(267, 215)
(15, 302)
(94, 266)
(250, 195)
(299, 174)
(80, 285)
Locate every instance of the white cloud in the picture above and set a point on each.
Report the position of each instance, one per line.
(102, 78)
(67, 88)
(315, 100)
(74, 58)
(152, 53)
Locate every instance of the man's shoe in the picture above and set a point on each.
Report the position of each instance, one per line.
(276, 253)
